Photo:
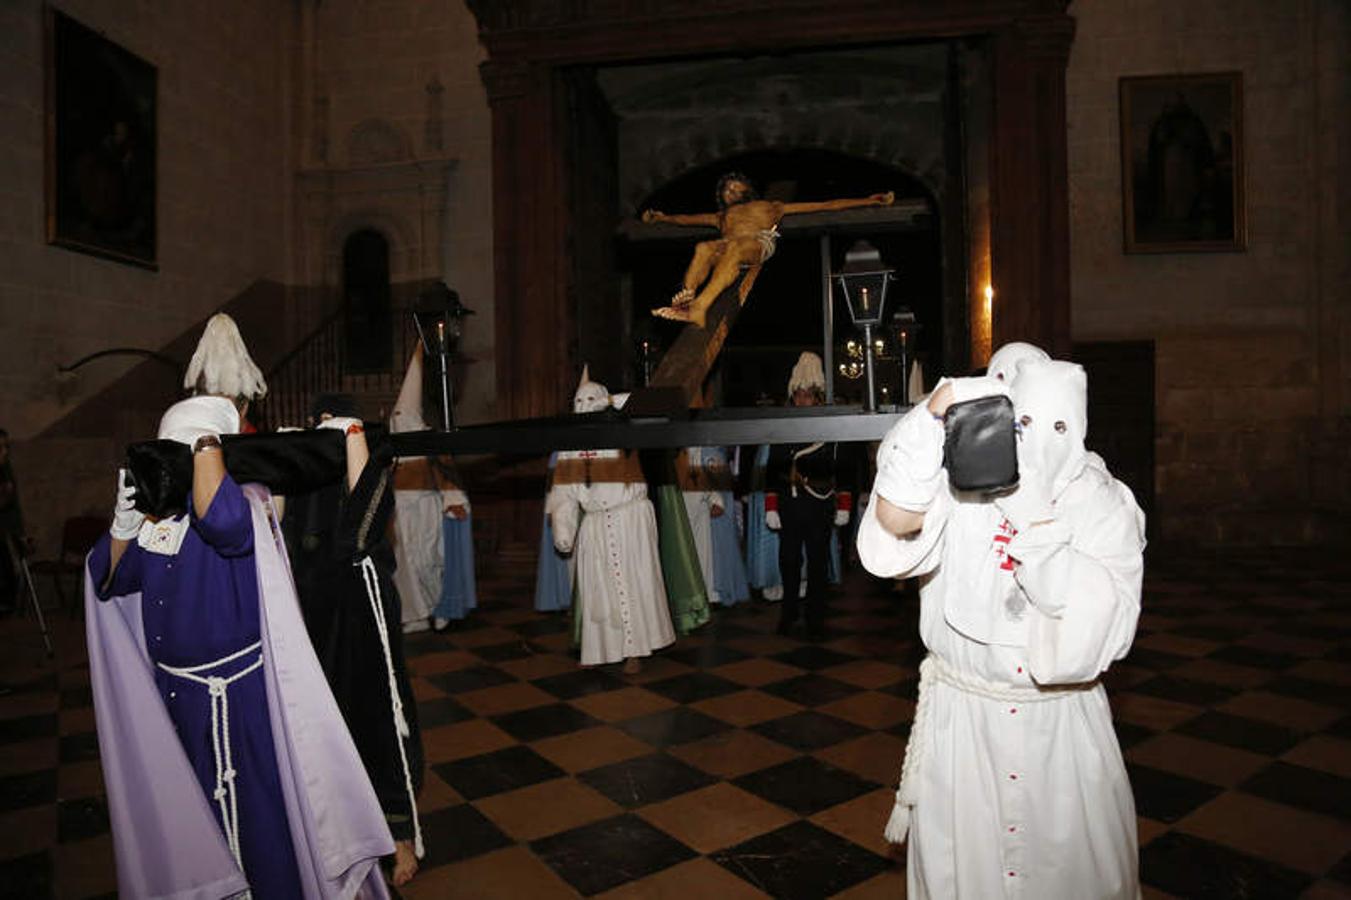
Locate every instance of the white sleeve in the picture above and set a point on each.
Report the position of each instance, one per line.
(1083, 573)
(910, 461)
(887, 556)
(566, 514)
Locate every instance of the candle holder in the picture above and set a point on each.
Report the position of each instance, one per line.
(864, 282)
(439, 320)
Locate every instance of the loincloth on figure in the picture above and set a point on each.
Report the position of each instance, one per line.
(768, 239)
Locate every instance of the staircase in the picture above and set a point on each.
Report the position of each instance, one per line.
(317, 365)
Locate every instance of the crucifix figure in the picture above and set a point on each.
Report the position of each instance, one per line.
(749, 228)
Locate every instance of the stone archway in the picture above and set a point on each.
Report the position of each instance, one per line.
(533, 44)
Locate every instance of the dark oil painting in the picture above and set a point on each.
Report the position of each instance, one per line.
(1182, 163)
(100, 178)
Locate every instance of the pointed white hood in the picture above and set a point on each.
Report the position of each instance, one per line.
(590, 396)
(1050, 403)
(407, 415)
(1005, 362)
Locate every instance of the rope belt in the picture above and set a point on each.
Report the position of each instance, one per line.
(372, 580)
(225, 795)
(618, 506)
(935, 668)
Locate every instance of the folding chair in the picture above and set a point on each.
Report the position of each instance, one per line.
(78, 535)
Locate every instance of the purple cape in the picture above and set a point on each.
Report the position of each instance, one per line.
(165, 837)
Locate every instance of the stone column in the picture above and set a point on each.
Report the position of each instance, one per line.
(530, 255)
(1029, 184)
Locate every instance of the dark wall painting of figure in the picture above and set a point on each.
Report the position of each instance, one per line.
(101, 107)
(1181, 163)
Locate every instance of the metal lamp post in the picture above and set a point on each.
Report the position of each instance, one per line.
(905, 326)
(864, 282)
(439, 318)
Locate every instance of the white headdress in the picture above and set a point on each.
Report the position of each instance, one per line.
(1005, 362)
(407, 415)
(590, 395)
(808, 374)
(1050, 400)
(221, 365)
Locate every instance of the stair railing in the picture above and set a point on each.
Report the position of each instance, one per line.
(317, 366)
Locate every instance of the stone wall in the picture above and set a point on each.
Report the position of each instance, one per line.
(222, 206)
(1252, 347)
(881, 104)
(222, 198)
(396, 136)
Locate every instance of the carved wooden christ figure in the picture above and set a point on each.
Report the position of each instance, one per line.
(750, 229)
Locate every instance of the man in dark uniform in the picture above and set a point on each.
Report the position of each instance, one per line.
(807, 498)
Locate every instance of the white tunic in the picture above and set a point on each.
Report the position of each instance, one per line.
(1015, 799)
(612, 531)
(418, 552)
(420, 502)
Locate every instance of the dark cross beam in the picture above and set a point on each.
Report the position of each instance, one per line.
(620, 429)
(678, 382)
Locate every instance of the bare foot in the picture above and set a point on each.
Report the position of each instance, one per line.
(405, 863)
(633, 665)
(679, 315)
(682, 298)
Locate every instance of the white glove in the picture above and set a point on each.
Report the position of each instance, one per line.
(772, 520)
(454, 503)
(187, 420)
(127, 519)
(841, 518)
(340, 423)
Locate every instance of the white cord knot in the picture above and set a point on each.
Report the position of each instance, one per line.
(217, 687)
(371, 578)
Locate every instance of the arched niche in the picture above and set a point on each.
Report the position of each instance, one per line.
(366, 303)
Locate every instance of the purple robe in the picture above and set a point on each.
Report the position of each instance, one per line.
(228, 586)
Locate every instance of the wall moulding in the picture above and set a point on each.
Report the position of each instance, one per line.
(585, 30)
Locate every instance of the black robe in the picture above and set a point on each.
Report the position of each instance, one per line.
(328, 533)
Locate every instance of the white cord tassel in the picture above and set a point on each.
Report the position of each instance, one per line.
(372, 580)
(934, 668)
(898, 826)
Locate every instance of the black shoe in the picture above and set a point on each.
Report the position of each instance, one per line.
(816, 633)
(785, 626)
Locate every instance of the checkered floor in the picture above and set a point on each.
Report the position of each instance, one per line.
(744, 764)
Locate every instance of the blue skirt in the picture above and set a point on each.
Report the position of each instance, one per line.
(553, 588)
(459, 594)
(762, 545)
(729, 572)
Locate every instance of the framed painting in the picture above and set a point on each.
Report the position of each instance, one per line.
(1182, 163)
(101, 106)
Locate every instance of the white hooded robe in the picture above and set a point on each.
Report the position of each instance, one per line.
(610, 528)
(1019, 789)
